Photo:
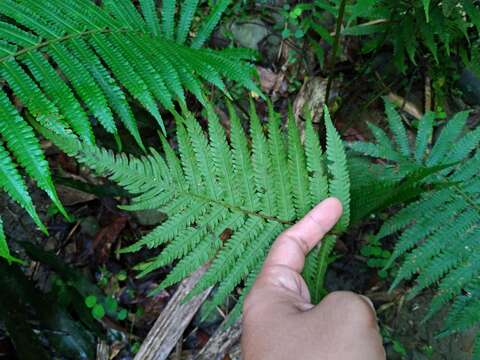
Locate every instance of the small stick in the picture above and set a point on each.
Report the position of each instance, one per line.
(172, 322)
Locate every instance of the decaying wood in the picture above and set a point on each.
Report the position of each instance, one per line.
(235, 353)
(220, 343)
(170, 325)
(102, 351)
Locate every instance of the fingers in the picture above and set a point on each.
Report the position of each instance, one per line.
(293, 245)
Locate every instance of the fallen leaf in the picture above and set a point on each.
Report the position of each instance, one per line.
(272, 82)
(70, 196)
(107, 236)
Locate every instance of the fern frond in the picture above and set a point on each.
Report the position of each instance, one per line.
(150, 15)
(318, 182)
(298, 169)
(439, 233)
(222, 159)
(385, 146)
(186, 16)
(465, 311)
(219, 188)
(276, 146)
(168, 18)
(396, 125)
(20, 139)
(209, 24)
(339, 183)
(447, 138)
(12, 183)
(67, 60)
(241, 162)
(424, 136)
(261, 163)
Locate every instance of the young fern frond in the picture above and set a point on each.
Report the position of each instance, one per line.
(67, 60)
(440, 232)
(227, 201)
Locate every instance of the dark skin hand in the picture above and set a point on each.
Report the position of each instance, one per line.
(280, 323)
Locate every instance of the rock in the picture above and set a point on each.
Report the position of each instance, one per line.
(249, 33)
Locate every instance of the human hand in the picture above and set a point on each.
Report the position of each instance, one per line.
(280, 323)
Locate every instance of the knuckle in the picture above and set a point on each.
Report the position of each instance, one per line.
(288, 238)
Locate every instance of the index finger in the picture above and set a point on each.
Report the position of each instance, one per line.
(293, 245)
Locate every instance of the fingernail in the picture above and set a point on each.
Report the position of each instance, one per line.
(369, 302)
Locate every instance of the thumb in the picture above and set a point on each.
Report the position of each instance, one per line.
(280, 280)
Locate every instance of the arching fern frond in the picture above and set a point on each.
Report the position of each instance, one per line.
(440, 232)
(231, 200)
(70, 62)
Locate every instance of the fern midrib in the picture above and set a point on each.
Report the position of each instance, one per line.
(68, 37)
(235, 207)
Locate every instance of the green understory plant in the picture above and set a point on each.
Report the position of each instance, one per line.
(439, 234)
(226, 200)
(65, 64)
(434, 35)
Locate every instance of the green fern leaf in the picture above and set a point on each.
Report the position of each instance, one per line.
(298, 169)
(150, 14)
(318, 182)
(339, 183)
(398, 129)
(424, 135)
(447, 138)
(13, 184)
(186, 16)
(276, 145)
(222, 159)
(83, 58)
(21, 141)
(440, 231)
(209, 24)
(168, 18)
(262, 164)
(243, 169)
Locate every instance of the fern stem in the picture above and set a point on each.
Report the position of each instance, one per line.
(336, 45)
(325, 250)
(64, 38)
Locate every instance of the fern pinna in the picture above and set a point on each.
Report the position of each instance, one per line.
(440, 232)
(66, 60)
(252, 188)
